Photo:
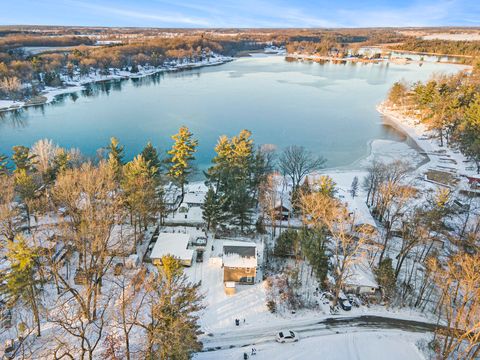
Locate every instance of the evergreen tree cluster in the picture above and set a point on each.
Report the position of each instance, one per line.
(237, 171)
(448, 105)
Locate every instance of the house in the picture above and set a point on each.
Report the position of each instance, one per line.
(239, 261)
(174, 244)
(194, 198)
(360, 279)
(283, 206)
(282, 213)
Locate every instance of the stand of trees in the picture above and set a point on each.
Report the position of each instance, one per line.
(448, 105)
(237, 172)
(441, 47)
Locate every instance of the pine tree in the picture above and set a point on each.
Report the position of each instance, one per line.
(115, 156)
(314, 247)
(354, 187)
(22, 158)
(27, 188)
(326, 186)
(385, 275)
(182, 151)
(236, 174)
(241, 209)
(150, 155)
(140, 191)
(61, 162)
(22, 281)
(305, 187)
(212, 210)
(172, 332)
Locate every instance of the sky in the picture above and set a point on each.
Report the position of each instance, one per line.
(241, 13)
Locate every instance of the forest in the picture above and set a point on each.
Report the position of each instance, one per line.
(449, 105)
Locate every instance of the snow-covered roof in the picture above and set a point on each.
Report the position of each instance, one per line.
(174, 244)
(171, 194)
(239, 254)
(360, 274)
(194, 197)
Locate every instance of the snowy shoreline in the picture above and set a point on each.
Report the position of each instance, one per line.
(73, 86)
(425, 140)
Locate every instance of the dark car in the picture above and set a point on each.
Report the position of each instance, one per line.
(344, 303)
(199, 256)
(355, 301)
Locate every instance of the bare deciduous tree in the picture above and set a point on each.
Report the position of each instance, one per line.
(270, 199)
(348, 243)
(458, 281)
(296, 162)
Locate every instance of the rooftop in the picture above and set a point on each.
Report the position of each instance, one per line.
(239, 254)
(360, 274)
(174, 244)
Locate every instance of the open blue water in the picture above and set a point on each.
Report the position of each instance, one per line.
(328, 108)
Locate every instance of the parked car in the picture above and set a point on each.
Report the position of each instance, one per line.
(344, 303)
(200, 241)
(286, 336)
(354, 300)
(199, 258)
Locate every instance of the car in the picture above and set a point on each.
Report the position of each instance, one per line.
(199, 258)
(355, 301)
(286, 336)
(344, 303)
(200, 241)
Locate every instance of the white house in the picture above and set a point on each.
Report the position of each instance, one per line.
(194, 198)
(174, 244)
(360, 279)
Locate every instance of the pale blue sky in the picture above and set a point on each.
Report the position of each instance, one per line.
(242, 13)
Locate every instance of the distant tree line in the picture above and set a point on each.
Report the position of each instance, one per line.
(438, 46)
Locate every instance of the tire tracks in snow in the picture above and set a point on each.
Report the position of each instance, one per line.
(312, 328)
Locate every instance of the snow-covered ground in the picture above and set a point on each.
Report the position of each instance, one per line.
(361, 345)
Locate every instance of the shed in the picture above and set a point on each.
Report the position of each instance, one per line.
(174, 244)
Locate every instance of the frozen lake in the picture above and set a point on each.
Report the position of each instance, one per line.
(328, 108)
